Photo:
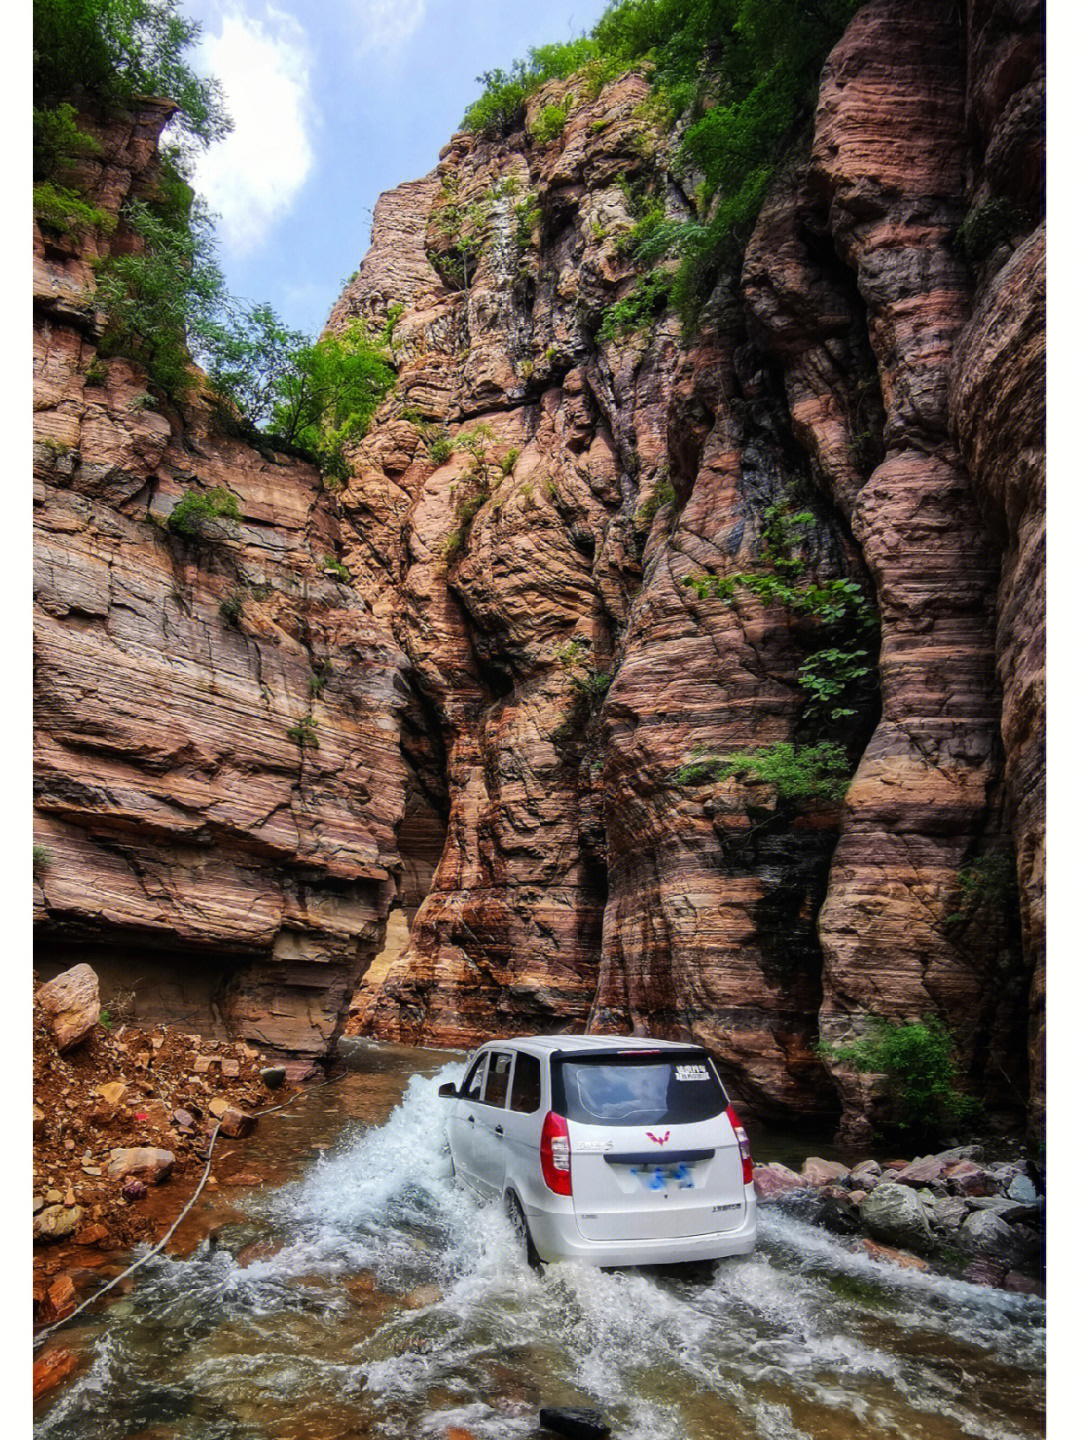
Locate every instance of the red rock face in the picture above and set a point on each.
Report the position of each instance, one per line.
(181, 822)
(521, 682)
(704, 927)
(998, 405)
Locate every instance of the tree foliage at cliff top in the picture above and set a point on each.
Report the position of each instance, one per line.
(108, 52)
(744, 73)
(164, 297)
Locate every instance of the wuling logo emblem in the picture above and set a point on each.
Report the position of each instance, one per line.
(659, 1139)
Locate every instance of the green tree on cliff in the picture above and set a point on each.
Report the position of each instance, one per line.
(742, 73)
(105, 53)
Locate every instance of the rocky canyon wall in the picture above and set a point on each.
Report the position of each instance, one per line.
(521, 703)
(212, 864)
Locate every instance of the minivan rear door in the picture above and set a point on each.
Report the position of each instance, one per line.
(653, 1153)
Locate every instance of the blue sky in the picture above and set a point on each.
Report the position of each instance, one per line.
(334, 103)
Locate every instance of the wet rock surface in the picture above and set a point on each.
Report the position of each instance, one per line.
(985, 1221)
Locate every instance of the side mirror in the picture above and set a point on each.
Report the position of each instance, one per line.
(448, 1091)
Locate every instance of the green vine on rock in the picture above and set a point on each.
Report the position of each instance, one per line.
(797, 773)
(916, 1061)
(303, 733)
(191, 512)
(835, 677)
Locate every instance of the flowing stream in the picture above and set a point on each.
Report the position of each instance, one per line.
(361, 1294)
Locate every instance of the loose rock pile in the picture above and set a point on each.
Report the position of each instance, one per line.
(118, 1112)
(988, 1220)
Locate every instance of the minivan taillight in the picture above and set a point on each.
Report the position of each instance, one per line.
(744, 1147)
(555, 1154)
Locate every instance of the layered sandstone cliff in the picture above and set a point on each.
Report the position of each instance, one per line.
(518, 678)
(580, 883)
(193, 849)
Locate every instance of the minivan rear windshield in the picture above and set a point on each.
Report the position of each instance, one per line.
(675, 1088)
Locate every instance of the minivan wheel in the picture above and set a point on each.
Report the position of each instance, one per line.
(527, 1249)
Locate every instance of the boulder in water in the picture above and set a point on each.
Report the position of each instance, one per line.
(895, 1214)
(816, 1171)
(773, 1180)
(988, 1234)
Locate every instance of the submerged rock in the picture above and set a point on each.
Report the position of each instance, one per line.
(51, 1368)
(575, 1424)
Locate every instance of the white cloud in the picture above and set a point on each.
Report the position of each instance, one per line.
(386, 24)
(252, 177)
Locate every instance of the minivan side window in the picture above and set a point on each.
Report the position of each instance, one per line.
(525, 1094)
(498, 1078)
(470, 1090)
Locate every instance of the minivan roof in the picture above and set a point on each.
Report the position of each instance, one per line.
(614, 1043)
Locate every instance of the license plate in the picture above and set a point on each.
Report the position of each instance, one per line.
(664, 1177)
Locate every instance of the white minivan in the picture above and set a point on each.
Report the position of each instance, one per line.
(608, 1149)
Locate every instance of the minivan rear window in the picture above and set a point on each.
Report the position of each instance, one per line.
(673, 1089)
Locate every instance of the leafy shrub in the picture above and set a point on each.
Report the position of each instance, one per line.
(191, 512)
(572, 653)
(303, 733)
(328, 395)
(42, 860)
(440, 449)
(663, 494)
(831, 677)
(65, 212)
(549, 124)
(509, 460)
(917, 1061)
(808, 772)
(988, 881)
(248, 352)
(59, 141)
(96, 374)
(502, 105)
(153, 297)
(232, 607)
(639, 309)
(594, 683)
(527, 215)
(316, 396)
(332, 566)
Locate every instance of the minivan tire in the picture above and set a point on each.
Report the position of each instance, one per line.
(528, 1250)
